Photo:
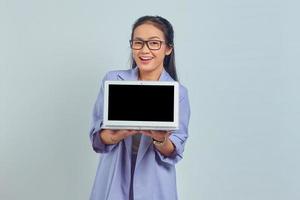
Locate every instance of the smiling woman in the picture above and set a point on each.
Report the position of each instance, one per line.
(159, 52)
(141, 164)
(149, 57)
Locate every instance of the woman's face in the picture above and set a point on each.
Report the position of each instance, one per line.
(147, 60)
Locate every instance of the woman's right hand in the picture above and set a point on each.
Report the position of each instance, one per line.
(109, 136)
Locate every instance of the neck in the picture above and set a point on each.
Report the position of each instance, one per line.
(150, 76)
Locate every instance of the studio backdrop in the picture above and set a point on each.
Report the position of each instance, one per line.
(238, 60)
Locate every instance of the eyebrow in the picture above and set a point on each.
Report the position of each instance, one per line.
(153, 37)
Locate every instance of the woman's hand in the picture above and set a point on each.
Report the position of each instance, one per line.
(109, 136)
(161, 141)
(160, 136)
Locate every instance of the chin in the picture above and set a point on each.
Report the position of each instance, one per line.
(146, 68)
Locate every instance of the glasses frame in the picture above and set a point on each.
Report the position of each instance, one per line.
(147, 44)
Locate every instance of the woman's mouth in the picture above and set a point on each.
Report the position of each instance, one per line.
(145, 59)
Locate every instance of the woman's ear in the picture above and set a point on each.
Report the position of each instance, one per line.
(169, 50)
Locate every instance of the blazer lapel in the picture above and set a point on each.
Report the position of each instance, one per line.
(128, 75)
(145, 143)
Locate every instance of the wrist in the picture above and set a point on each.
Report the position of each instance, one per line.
(114, 140)
(159, 142)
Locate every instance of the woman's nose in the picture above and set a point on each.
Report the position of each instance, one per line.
(145, 48)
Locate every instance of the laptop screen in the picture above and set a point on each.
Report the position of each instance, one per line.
(141, 105)
(141, 102)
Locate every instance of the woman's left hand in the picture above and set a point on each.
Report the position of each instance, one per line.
(157, 135)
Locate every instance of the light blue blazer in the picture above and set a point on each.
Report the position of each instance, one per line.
(155, 175)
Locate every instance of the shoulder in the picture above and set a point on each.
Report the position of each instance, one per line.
(117, 74)
(183, 92)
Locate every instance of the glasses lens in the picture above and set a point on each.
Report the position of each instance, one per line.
(154, 44)
(137, 44)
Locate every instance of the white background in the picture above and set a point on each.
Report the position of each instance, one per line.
(238, 59)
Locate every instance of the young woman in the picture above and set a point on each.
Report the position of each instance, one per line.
(134, 164)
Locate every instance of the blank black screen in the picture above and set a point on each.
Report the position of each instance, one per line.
(141, 103)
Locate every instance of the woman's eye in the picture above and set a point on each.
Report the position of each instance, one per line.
(154, 43)
(138, 43)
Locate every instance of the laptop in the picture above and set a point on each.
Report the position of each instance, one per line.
(141, 105)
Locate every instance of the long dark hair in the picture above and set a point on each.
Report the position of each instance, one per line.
(166, 27)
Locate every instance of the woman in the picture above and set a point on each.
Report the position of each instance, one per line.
(141, 164)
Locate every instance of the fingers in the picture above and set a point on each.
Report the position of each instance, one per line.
(122, 134)
(147, 133)
(126, 133)
(169, 133)
(132, 132)
(158, 135)
(160, 132)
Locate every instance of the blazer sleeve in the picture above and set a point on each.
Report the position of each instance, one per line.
(179, 136)
(97, 121)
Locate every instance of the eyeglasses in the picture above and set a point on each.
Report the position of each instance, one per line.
(151, 44)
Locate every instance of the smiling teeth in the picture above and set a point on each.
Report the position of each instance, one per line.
(146, 58)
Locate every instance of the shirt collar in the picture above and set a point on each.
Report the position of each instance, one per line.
(133, 74)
